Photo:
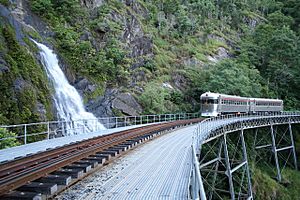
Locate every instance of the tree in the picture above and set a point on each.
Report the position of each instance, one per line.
(231, 77)
(154, 98)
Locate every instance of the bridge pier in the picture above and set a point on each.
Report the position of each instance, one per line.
(281, 141)
(226, 159)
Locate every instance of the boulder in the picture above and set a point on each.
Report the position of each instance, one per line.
(103, 106)
(84, 86)
(127, 104)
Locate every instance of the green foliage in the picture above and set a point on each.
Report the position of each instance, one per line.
(154, 99)
(273, 49)
(291, 8)
(5, 2)
(24, 85)
(278, 19)
(228, 77)
(42, 7)
(109, 63)
(266, 187)
(262, 37)
(11, 141)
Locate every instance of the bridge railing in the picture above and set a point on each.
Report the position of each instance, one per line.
(214, 126)
(33, 132)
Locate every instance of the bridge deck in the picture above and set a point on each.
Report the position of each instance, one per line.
(23, 150)
(159, 169)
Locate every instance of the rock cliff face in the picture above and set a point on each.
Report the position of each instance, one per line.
(24, 22)
(26, 97)
(100, 33)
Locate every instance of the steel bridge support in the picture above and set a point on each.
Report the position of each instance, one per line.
(223, 158)
(225, 169)
(282, 141)
(243, 164)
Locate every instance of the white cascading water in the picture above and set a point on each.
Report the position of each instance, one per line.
(68, 102)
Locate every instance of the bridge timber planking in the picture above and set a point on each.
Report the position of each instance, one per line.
(159, 169)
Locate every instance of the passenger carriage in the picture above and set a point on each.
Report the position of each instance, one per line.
(214, 104)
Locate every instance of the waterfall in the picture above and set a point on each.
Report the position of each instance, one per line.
(68, 102)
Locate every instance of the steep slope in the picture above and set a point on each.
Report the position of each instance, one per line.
(163, 55)
(128, 57)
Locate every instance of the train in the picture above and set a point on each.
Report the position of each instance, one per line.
(215, 104)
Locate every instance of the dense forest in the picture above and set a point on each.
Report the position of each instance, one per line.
(163, 53)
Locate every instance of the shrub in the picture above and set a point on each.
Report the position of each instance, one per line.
(10, 142)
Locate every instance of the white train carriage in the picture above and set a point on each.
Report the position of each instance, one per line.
(214, 104)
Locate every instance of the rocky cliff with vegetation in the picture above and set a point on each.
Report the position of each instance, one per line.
(128, 57)
(132, 57)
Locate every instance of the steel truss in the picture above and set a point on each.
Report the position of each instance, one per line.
(224, 168)
(222, 152)
(279, 142)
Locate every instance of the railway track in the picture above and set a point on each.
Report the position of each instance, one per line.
(42, 175)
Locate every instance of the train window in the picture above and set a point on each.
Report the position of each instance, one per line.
(209, 101)
(213, 101)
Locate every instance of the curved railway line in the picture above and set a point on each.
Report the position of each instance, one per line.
(42, 175)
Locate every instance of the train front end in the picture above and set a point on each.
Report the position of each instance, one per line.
(209, 104)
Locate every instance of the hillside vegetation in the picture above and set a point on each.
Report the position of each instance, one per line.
(261, 38)
(165, 53)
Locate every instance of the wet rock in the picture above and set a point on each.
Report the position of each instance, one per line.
(141, 46)
(17, 26)
(19, 84)
(101, 106)
(136, 7)
(84, 86)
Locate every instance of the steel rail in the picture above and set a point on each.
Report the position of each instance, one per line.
(21, 171)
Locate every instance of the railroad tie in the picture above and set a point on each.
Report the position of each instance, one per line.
(85, 167)
(59, 179)
(16, 195)
(127, 146)
(43, 188)
(99, 159)
(93, 163)
(107, 156)
(74, 173)
(113, 153)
